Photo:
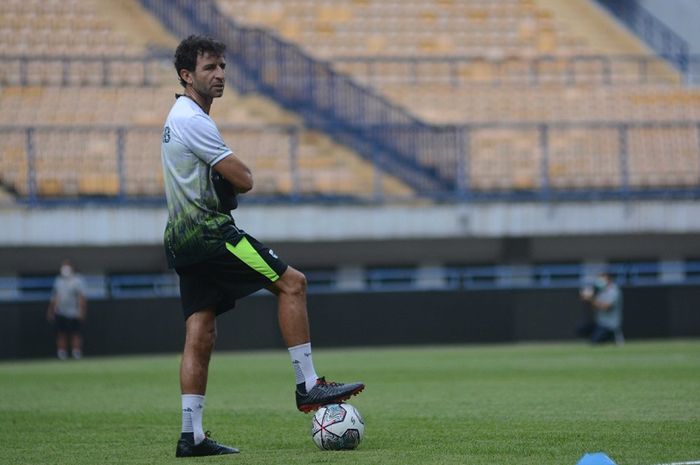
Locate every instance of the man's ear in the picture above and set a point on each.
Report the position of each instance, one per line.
(186, 75)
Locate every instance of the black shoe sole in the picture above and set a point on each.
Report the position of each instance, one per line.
(308, 408)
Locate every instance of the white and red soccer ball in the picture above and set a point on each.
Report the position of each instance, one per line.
(337, 427)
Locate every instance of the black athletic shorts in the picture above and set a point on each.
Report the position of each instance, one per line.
(243, 268)
(67, 325)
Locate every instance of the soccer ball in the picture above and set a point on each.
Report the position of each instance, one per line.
(337, 427)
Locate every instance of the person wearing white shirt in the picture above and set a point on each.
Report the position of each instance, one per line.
(67, 310)
(217, 262)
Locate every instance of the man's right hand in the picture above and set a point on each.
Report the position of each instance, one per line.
(226, 193)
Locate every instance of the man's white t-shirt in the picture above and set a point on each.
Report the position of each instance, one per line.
(191, 146)
(612, 317)
(67, 291)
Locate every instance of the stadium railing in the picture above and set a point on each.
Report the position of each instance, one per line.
(384, 133)
(149, 70)
(661, 38)
(435, 160)
(627, 171)
(70, 70)
(544, 69)
(387, 279)
(432, 159)
(120, 162)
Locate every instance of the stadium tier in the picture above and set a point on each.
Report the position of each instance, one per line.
(480, 65)
(480, 71)
(387, 98)
(329, 29)
(81, 117)
(446, 104)
(70, 27)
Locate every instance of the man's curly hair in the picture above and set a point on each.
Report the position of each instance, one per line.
(192, 47)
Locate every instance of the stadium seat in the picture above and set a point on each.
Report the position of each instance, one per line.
(474, 62)
(521, 61)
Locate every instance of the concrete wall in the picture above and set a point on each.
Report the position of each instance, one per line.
(357, 319)
(110, 227)
(106, 240)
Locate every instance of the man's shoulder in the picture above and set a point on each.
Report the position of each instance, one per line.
(183, 108)
(187, 115)
(77, 281)
(609, 294)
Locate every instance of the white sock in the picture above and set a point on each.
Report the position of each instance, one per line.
(192, 410)
(303, 364)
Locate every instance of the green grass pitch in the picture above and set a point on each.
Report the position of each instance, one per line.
(524, 404)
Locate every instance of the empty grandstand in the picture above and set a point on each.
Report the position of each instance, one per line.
(73, 128)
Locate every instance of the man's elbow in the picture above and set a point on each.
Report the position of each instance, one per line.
(245, 184)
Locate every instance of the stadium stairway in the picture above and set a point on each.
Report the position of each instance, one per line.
(78, 109)
(389, 128)
(142, 29)
(603, 33)
(277, 40)
(350, 113)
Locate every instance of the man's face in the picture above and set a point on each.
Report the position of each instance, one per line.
(66, 269)
(602, 281)
(209, 75)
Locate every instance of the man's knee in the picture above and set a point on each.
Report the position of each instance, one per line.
(201, 330)
(292, 282)
(208, 336)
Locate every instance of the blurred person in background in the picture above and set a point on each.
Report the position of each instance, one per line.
(67, 310)
(604, 300)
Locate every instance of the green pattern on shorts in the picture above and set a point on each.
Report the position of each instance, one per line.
(248, 255)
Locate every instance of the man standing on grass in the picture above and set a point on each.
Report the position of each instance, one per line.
(217, 262)
(605, 301)
(67, 310)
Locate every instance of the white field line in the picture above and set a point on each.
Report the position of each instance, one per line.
(696, 462)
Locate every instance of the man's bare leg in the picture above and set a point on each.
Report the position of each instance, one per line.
(76, 345)
(292, 315)
(200, 335)
(62, 345)
(311, 391)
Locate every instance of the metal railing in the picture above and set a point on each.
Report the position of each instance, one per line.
(156, 68)
(441, 162)
(489, 161)
(434, 160)
(456, 71)
(405, 279)
(85, 70)
(613, 161)
(54, 164)
(382, 132)
(661, 38)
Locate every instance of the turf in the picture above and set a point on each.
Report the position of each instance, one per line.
(539, 404)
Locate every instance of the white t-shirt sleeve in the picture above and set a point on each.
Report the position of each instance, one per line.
(80, 285)
(202, 137)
